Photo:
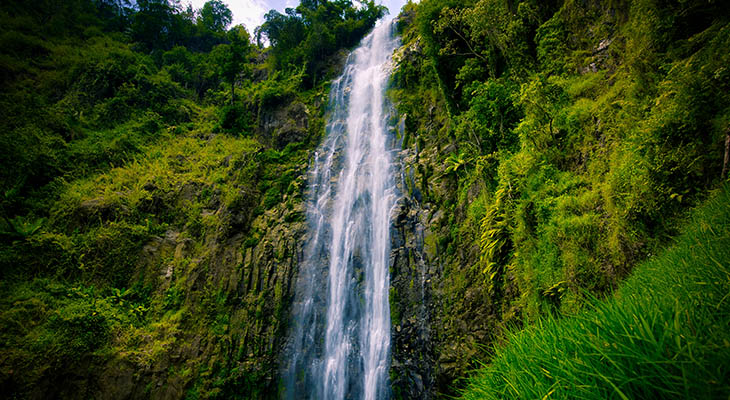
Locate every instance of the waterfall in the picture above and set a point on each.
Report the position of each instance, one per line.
(339, 345)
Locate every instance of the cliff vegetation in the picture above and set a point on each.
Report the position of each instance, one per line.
(152, 172)
(553, 147)
(563, 231)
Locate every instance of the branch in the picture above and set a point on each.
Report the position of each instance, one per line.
(469, 45)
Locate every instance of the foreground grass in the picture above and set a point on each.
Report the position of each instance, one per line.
(665, 333)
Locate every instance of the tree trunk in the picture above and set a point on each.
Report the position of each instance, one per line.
(233, 92)
(726, 160)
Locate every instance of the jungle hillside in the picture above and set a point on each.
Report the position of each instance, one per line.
(562, 229)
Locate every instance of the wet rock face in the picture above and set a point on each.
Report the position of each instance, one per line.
(440, 320)
(235, 284)
(438, 312)
(411, 297)
(285, 124)
(257, 282)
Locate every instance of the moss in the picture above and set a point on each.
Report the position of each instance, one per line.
(271, 197)
(431, 244)
(395, 304)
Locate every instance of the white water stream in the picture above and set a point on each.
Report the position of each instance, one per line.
(340, 342)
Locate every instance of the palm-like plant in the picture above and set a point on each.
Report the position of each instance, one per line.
(456, 162)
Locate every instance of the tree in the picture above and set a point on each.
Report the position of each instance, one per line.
(284, 32)
(316, 29)
(231, 59)
(215, 16)
(153, 24)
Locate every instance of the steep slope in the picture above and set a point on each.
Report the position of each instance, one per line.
(153, 167)
(167, 275)
(663, 334)
(549, 148)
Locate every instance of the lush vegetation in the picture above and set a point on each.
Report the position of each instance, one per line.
(152, 163)
(663, 334)
(311, 33)
(563, 141)
(151, 176)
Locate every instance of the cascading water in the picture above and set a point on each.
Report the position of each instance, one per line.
(340, 342)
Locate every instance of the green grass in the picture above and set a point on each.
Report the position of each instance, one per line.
(664, 334)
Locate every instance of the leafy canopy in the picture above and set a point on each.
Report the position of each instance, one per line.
(312, 32)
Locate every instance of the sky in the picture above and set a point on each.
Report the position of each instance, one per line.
(251, 12)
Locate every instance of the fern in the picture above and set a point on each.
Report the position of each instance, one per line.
(494, 239)
(21, 228)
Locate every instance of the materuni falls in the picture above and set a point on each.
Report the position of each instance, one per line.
(339, 342)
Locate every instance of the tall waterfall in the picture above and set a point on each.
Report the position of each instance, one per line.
(340, 336)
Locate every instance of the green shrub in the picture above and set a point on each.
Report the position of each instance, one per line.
(272, 197)
(235, 119)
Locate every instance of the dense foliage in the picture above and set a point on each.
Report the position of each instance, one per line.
(312, 32)
(562, 139)
(152, 164)
(148, 154)
(663, 335)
